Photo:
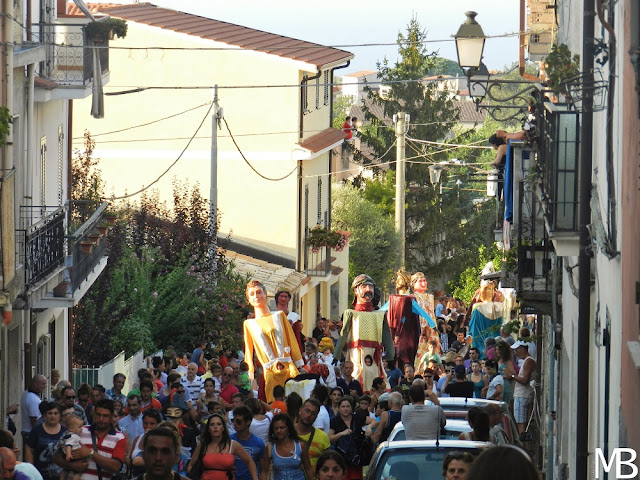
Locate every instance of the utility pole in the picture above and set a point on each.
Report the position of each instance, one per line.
(401, 120)
(213, 189)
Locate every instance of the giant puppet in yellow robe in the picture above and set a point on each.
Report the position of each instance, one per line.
(272, 340)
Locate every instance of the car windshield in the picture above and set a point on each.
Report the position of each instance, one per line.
(415, 463)
(444, 435)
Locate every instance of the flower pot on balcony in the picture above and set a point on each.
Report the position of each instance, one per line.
(95, 238)
(86, 247)
(110, 218)
(60, 290)
(103, 230)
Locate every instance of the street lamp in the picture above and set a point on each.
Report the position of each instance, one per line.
(470, 45)
(470, 42)
(435, 171)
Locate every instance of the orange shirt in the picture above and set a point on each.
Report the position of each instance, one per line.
(278, 406)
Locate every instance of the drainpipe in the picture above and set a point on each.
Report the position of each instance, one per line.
(30, 141)
(612, 232)
(331, 124)
(521, 37)
(584, 256)
(7, 77)
(551, 360)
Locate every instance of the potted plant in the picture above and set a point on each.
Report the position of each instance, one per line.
(561, 66)
(86, 247)
(61, 289)
(110, 218)
(320, 237)
(103, 30)
(103, 230)
(94, 238)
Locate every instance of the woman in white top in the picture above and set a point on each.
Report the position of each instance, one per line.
(260, 423)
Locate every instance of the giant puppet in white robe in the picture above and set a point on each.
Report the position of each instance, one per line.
(270, 337)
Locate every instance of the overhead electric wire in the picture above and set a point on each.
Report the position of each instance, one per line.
(93, 135)
(247, 161)
(172, 164)
(293, 47)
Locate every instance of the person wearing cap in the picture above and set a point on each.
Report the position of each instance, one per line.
(461, 387)
(364, 333)
(523, 392)
(271, 338)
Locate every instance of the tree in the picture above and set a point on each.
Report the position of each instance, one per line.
(443, 228)
(444, 66)
(156, 291)
(374, 244)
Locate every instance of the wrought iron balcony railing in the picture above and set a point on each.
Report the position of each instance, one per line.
(69, 57)
(317, 262)
(42, 241)
(91, 217)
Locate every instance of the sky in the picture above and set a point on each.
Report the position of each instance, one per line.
(338, 23)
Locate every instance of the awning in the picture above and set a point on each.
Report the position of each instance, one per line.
(273, 276)
(320, 143)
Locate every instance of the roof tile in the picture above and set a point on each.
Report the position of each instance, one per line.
(248, 38)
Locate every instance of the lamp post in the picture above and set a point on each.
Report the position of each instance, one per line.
(470, 40)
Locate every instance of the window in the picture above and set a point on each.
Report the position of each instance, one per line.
(305, 94)
(60, 163)
(43, 170)
(327, 87)
(535, 38)
(319, 201)
(306, 209)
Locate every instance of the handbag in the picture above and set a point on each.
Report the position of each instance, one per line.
(357, 452)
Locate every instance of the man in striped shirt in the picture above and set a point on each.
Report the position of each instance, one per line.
(101, 462)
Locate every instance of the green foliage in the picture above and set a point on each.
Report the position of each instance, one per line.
(341, 106)
(560, 66)
(444, 66)
(156, 291)
(468, 281)
(382, 191)
(443, 229)
(101, 30)
(374, 244)
(5, 124)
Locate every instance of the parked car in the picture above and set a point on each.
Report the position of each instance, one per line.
(457, 408)
(416, 459)
(451, 431)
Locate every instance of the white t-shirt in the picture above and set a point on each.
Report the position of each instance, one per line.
(260, 428)
(323, 422)
(29, 407)
(497, 380)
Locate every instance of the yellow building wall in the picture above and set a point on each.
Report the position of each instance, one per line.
(264, 121)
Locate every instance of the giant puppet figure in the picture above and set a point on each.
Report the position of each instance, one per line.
(270, 336)
(365, 333)
(403, 322)
(428, 332)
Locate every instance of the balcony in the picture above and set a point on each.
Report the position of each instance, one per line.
(558, 161)
(317, 262)
(69, 54)
(60, 267)
(41, 241)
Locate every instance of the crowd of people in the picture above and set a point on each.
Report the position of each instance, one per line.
(223, 417)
